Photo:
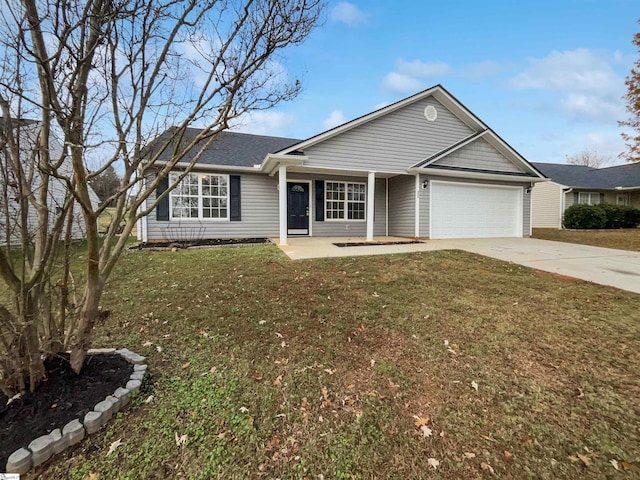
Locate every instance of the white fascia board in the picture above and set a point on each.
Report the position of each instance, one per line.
(272, 161)
(344, 171)
(433, 172)
(438, 92)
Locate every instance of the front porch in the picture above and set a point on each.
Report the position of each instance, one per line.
(300, 248)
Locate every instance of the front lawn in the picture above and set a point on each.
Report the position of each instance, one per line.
(441, 364)
(626, 239)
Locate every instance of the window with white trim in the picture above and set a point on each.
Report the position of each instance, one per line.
(201, 196)
(345, 200)
(588, 198)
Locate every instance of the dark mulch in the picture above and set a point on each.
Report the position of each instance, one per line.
(60, 398)
(210, 242)
(366, 244)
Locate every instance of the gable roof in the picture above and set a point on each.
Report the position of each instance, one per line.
(228, 148)
(579, 176)
(438, 92)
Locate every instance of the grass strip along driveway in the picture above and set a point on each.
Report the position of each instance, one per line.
(623, 239)
(437, 364)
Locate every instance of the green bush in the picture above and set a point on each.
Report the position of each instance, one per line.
(601, 216)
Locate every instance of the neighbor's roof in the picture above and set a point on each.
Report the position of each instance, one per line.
(229, 148)
(625, 176)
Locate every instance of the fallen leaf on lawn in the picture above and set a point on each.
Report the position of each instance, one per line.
(325, 396)
(486, 466)
(180, 440)
(114, 445)
(474, 385)
(507, 454)
(469, 455)
(278, 380)
(626, 466)
(92, 476)
(212, 370)
(262, 322)
(426, 431)
(584, 459)
(54, 405)
(433, 462)
(329, 371)
(149, 399)
(580, 392)
(186, 364)
(283, 344)
(244, 410)
(446, 343)
(159, 349)
(614, 464)
(279, 335)
(526, 441)
(351, 386)
(373, 362)
(420, 421)
(147, 344)
(375, 294)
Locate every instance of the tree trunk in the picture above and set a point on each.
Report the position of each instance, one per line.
(86, 321)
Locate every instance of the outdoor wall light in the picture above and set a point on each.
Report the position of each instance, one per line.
(425, 184)
(527, 190)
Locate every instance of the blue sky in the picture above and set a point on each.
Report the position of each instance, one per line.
(546, 76)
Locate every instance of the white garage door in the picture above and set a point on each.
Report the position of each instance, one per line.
(475, 211)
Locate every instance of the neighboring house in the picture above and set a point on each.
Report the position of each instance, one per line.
(9, 211)
(423, 167)
(577, 184)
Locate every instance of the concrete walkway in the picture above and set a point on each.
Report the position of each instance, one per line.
(605, 266)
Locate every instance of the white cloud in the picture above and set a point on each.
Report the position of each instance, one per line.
(580, 70)
(419, 69)
(263, 123)
(480, 70)
(348, 14)
(401, 83)
(588, 85)
(336, 118)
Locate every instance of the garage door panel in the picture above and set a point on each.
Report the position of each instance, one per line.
(474, 211)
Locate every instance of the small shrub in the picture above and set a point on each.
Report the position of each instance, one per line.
(601, 216)
(584, 217)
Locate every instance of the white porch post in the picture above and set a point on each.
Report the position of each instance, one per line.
(282, 185)
(371, 191)
(417, 210)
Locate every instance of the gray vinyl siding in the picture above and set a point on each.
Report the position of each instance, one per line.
(259, 213)
(425, 199)
(478, 155)
(342, 228)
(402, 206)
(424, 195)
(390, 143)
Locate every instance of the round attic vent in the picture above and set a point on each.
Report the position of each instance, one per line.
(430, 113)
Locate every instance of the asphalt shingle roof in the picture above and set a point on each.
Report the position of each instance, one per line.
(230, 148)
(625, 176)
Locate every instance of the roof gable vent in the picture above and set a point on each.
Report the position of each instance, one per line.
(430, 113)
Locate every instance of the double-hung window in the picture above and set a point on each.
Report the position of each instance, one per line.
(200, 196)
(588, 198)
(345, 200)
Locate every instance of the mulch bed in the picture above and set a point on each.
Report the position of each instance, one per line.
(60, 398)
(366, 244)
(211, 242)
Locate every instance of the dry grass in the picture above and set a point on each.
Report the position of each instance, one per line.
(104, 220)
(280, 369)
(627, 239)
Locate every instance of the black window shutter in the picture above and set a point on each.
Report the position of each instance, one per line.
(319, 201)
(162, 209)
(234, 198)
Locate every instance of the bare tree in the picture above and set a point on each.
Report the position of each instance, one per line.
(632, 139)
(103, 77)
(589, 159)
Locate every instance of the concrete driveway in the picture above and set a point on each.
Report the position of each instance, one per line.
(605, 266)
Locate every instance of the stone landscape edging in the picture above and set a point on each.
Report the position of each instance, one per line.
(44, 447)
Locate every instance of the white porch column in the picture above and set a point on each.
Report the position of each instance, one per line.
(282, 186)
(371, 191)
(417, 210)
